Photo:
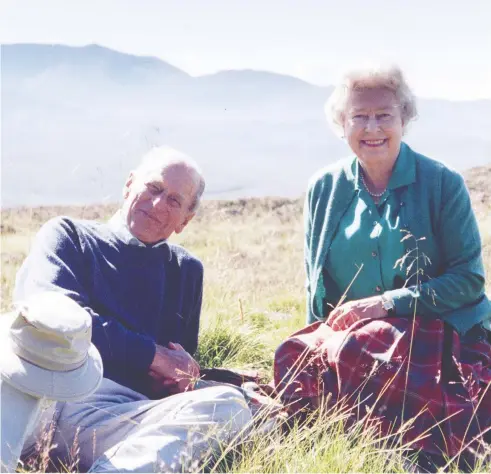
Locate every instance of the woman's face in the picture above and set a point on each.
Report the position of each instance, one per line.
(373, 126)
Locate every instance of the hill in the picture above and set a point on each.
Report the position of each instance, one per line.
(76, 119)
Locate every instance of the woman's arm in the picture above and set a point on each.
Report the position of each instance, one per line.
(461, 282)
(307, 254)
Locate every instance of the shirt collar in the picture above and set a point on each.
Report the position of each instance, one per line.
(403, 174)
(120, 228)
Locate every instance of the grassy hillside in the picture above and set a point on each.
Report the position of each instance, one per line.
(254, 297)
(251, 249)
(479, 184)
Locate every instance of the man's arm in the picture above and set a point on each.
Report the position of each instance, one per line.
(190, 341)
(56, 263)
(173, 368)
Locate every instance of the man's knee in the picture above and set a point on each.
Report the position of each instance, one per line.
(229, 405)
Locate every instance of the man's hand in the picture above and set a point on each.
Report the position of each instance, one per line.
(347, 314)
(173, 369)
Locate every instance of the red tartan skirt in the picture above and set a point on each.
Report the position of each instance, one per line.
(394, 366)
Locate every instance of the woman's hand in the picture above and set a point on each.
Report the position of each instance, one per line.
(347, 314)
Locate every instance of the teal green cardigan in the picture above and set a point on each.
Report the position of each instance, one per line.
(436, 210)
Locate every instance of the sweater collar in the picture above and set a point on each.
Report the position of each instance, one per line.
(404, 172)
(120, 228)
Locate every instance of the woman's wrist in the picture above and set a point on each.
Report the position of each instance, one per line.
(388, 305)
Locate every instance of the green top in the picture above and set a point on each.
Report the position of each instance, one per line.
(444, 242)
(373, 237)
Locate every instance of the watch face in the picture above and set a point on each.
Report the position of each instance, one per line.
(388, 305)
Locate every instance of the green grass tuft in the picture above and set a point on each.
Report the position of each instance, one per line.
(225, 343)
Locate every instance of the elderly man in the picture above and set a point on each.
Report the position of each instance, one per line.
(144, 296)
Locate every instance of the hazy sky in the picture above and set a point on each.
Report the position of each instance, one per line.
(444, 46)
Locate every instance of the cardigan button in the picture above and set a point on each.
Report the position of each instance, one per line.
(378, 289)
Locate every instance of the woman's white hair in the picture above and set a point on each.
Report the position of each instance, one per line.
(163, 156)
(372, 77)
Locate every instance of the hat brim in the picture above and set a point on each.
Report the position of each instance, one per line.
(38, 382)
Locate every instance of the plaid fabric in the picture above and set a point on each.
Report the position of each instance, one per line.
(367, 366)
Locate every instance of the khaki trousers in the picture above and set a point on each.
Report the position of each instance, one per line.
(119, 430)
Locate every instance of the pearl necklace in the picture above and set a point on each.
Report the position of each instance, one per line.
(375, 195)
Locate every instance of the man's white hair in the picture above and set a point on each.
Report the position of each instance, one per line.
(164, 156)
(370, 77)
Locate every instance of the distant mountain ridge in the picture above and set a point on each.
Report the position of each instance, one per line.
(34, 59)
(76, 119)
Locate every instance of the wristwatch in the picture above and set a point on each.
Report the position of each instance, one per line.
(388, 305)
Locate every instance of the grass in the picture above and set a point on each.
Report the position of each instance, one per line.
(253, 298)
(221, 345)
(323, 443)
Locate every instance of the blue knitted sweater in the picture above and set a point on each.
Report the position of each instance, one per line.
(137, 295)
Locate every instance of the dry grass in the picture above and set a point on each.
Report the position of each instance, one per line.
(479, 184)
(254, 286)
(251, 251)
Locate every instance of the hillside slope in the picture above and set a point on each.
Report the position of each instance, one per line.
(76, 119)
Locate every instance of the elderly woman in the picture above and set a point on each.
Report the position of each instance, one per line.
(394, 267)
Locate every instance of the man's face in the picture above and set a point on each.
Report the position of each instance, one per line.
(157, 202)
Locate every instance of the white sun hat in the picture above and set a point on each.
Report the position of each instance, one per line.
(46, 349)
